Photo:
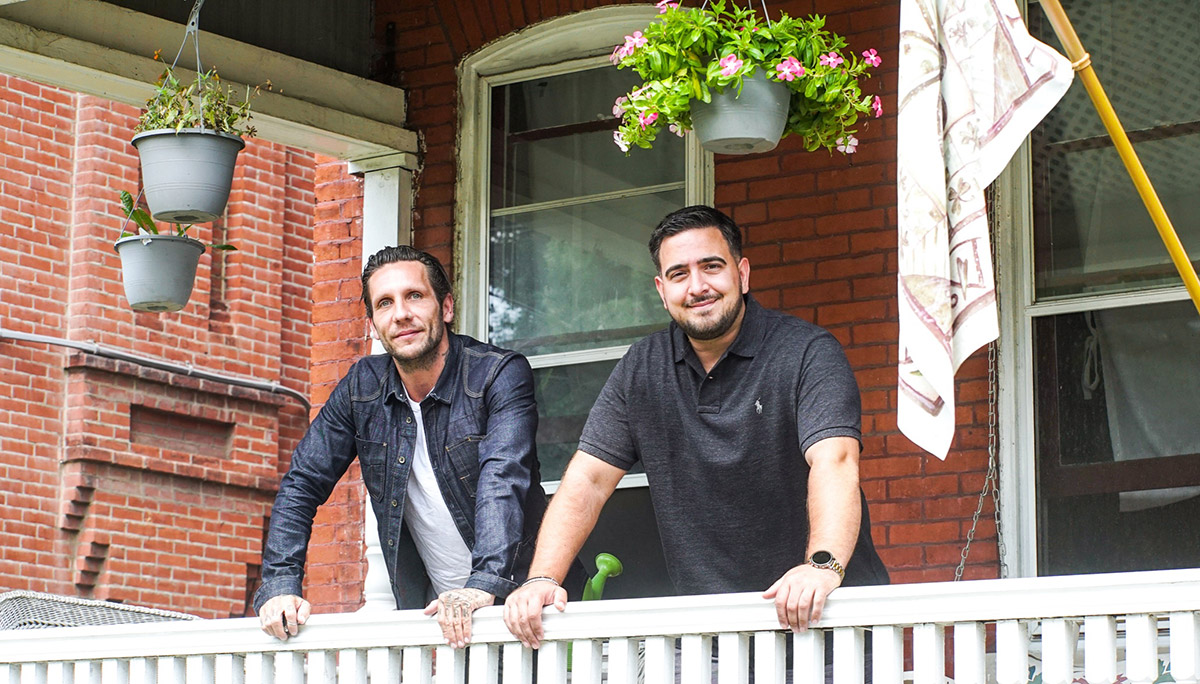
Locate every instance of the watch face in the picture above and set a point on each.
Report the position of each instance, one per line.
(821, 557)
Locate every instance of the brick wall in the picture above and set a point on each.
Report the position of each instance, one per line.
(126, 482)
(821, 239)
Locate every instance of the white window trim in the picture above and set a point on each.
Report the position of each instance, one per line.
(1015, 363)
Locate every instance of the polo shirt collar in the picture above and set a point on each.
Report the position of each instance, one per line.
(747, 343)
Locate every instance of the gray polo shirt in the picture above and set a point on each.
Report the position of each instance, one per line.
(724, 451)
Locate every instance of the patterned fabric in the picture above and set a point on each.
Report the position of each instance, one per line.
(973, 83)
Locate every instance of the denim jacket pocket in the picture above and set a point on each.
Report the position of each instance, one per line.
(464, 459)
(373, 457)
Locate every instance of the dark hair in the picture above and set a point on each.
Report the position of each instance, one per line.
(391, 255)
(691, 218)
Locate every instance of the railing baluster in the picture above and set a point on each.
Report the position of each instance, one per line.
(322, 668)
(1141, 648)
(170, 671)
(809, 656)
(848, 656)
(929, 654)
(887, 655)
(115, 671)
(10, 674)
(1100, 648)
(622, 661)
(260, 668)
(201, 669)
(586, 659)
(1012, 652)
(518, 664)
(417, 665)
(770, 657)
(384, 665)
(231, 669)
(289, 667)
(483, 664)
(352, 666)
(660, 659)
(970, 658)
(1058, 651)
(451, 665)
(733, 658)
(34, 673)
(145, 671)
(552, 663)
(695, 659)
(1185, 647)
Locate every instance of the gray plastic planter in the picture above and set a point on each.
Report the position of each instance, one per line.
(743, 124)
(187, 175)
(158, 270)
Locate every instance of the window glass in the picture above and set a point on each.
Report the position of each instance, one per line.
(1092, 232)
(1118, 438)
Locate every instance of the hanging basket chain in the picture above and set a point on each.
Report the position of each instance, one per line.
(991, 482)
(192, 31)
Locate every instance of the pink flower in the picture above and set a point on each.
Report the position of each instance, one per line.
(730, 65)
(789, 69)
(647, 118)
(664, 5)
(877, 105)
(847, 146)
(618, 110)
(871, 57)
(831, 60)
(635, 41)
(676, 129)
(620, 141)
(619, 53)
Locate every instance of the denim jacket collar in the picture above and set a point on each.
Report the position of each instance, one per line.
(446, 383)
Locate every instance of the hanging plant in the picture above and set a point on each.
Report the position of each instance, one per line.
(688, 56)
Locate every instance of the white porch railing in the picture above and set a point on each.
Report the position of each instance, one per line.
(1093, 626)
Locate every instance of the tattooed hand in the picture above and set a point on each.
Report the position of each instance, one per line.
(454, 608)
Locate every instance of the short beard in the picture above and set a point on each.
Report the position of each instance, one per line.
(424, 358)
(711, 330)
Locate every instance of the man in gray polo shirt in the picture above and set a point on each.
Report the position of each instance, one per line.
(747, 422)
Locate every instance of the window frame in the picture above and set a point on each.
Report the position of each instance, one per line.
(558, 46)
(1016, 396)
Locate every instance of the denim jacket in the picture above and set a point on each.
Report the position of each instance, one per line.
(480, 424)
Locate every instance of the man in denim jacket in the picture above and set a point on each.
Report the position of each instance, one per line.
(443, 426)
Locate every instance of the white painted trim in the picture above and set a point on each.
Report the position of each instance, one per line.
(576, 357)
(64, 43)
(631, 481)
(403, 160)
(589, 199)
(1113, 300)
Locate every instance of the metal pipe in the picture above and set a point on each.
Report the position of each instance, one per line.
(1082, 63)
(160, 364)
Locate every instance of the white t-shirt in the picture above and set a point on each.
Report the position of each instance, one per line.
(446, 556)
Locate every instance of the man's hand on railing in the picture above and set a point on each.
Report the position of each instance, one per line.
(800, 595)
(523, 610)
(282, 616)
(454, 609)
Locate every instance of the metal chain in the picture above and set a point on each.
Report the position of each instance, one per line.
(991, 482)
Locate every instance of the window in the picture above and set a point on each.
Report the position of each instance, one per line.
(1103, 344)
(561, 216)
(554, 220)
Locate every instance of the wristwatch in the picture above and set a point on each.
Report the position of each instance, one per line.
(826, 561)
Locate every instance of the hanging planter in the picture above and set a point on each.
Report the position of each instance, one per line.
(158, 270)
(188, 139)
(700, 67)
(187, 174)
(743, 123)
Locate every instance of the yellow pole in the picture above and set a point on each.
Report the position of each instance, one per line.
(1082, 63)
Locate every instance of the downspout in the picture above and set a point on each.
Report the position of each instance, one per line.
(160, 364)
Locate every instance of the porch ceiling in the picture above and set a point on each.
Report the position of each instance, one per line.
(102, 49)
